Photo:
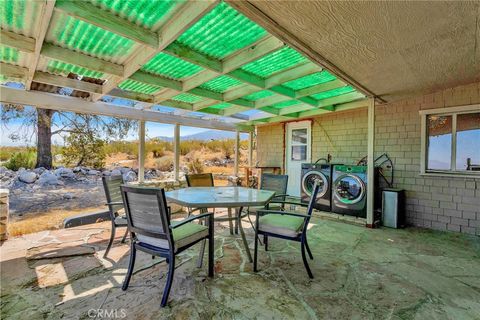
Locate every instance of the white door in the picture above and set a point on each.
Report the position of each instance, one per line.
(298, 152)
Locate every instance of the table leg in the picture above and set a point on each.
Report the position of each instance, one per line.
(202, 247)
(242, 233)
(230, 224)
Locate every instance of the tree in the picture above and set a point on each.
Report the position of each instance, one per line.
(66, 123)
(84, 149)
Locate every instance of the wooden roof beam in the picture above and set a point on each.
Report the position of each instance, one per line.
(186, 16)
(18, 41)
(45, 14)
(85, 11)
(65, 103)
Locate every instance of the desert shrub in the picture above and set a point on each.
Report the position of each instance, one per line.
(7, 152)
(84, 150)
(128, 147)
(158, 147)
(24, 159)
(164, 163)
(195, 166)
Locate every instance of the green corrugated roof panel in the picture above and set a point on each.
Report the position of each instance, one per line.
(171, 67)
(19, 16)
(140, 87)
(188, 98)
(333, 93)
(222, 105)
(310, 80)
(285, 104)
(221, 32)
(221, 84)
(274, 62)
(145, 13)
(8, 55)
(62, 68)
(78, 35)
(258, 95)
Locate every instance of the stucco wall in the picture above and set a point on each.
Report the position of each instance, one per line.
(443, 203)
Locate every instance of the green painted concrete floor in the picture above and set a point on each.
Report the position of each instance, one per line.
(359, 274)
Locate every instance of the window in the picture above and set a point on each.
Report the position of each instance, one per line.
(451, 140)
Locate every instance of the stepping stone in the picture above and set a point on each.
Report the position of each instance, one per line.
(59, 250)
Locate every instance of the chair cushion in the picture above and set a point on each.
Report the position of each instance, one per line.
(182, 236)
(284, 225)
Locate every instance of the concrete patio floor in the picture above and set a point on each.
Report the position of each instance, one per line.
(359, 274)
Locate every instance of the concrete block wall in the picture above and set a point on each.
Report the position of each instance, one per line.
(442, 203)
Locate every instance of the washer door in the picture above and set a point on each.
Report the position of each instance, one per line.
(309, 179)
(349, 189)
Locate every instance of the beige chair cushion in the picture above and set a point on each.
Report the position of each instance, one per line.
(182, 236)
(284, 225)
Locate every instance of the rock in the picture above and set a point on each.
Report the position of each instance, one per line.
(116, 172)
(107, 173)
(130, 176)
(27, 176)
(64, 173)
(39, 170)
(48, 178)
(77, 169)
(125, 170)
(68, 196)
(93, 172)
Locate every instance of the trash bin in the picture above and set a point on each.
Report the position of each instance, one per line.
(393, 208)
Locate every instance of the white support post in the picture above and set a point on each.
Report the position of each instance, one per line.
(141, 151)
(176, 150)
(250, 149)
(370, 163)
(237, 153)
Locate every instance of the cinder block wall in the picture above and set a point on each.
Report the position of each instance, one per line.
(442, 203)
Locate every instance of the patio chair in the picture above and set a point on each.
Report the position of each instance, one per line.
(152, 231)
(111, 185)
(285, 225)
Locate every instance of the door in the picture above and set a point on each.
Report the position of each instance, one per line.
(297, 152)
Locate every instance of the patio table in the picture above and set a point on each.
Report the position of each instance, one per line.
(222, 197)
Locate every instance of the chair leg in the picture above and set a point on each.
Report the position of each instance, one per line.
(236, 222)
(168, 285)
(255, 252)
(265, 241)
(211, 246)
(230, 223)
(112, 236)
(305, 260)
(131, 264)
(201, 254)
(125, 236)
(308, 249)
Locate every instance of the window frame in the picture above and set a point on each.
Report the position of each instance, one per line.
(454, 112)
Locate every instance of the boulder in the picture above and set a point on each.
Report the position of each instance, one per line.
(64, 173)
(93, 172)
(48, 178)
(27, 176)
(107, 173)
(125, 170)
(129, 176)
(116, 172)
(39, 170)
(68, 196)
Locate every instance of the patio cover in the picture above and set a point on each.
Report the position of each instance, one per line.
(202, 62)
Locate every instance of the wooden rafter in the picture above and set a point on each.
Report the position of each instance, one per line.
(190, 13)
(18, 41)
(65, 103)
(45, 15)
(85, 11)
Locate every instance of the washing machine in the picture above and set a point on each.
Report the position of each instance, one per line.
(349, 190)
(322, 174)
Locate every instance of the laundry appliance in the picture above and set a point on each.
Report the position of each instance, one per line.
(322, 174)
(349, 190)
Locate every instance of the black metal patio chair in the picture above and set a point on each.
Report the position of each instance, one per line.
(285, 225)
(111, 185)
(152, 231)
